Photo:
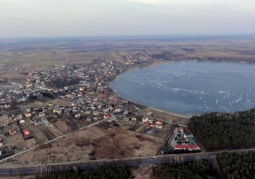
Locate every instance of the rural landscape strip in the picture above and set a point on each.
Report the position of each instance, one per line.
(88, 85)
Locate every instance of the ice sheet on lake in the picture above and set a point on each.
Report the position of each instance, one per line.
(184, 86)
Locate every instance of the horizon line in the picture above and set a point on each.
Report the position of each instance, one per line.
(133, 36)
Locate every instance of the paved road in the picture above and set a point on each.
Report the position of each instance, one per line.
(137, 161)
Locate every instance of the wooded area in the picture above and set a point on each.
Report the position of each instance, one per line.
(237, 165)
(228, 165)
(193, 170)
(101, 172)
(220, 131)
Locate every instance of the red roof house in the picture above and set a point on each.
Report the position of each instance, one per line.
(147, 123)
(3, 101)
(26, 132)
(1, 142)
(12, 132)
(107, 115)
(159, 122)
(181, 129)
(186, 147)
(27, 114)
(153, 125)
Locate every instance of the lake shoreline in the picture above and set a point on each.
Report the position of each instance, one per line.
(218, 93)
(171, 116)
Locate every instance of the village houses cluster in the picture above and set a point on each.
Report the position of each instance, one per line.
(84, 87)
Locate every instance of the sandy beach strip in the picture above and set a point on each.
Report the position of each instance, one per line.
(169, 116)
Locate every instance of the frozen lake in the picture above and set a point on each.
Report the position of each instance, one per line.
(190, 87)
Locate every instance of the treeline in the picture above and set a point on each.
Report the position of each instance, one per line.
(201, 169)
(101, 172)
(225, 166)
(224, 131)
(188, 49)
(237, 165)
(62, 82)
(164, 55)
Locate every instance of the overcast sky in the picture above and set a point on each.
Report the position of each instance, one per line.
(49, 18)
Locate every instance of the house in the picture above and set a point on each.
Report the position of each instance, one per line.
(26, 132)
(133, 119)
(36, 109)
(19, 117)
(145, 119)
(150, 120)
(23, 99)
(117, 110)
(125, 112)
(106, 115)
(153, 125)
(41, 114)
(149, 113)
(95, 113)
(46, 122)
(137, 108)
(186, 147)
(12, 132)
(112, 118)
(27, 114)
(27, 110)
(53, 115)
(77, 116)
(110, 108)
(159, 122)
(22, 122)
(7, 105)
(181, 129)
(106, 110)
(3, 101)
(147, 123)
(88, 112)
(160, 126)
(57, 111)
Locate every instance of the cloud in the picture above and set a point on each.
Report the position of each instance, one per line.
(196, 5)
(124, 16)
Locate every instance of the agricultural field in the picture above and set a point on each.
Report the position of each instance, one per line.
(28, 55)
